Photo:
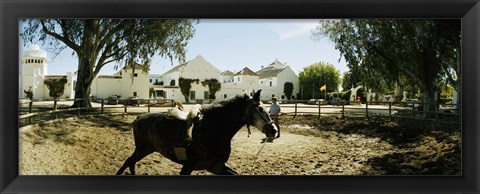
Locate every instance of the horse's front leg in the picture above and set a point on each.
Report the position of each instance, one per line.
(187, 169)
(224, 170)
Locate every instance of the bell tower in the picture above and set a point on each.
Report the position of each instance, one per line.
(34, 68)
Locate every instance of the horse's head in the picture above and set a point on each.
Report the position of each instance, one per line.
(259, 117)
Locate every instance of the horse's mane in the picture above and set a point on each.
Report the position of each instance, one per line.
(219, 108)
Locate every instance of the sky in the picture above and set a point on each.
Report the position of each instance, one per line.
(232, 44)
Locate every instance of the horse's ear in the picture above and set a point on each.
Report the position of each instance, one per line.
(256, 96)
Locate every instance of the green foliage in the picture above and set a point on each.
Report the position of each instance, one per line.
(97, 42)
(447, 92)
(386, 53)
(350, 80)
(345, 95)
(288, 89)
(213, 86)
(56, 87)
(317, 75)
(185, 85)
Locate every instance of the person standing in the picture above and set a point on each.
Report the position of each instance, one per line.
(274, 113)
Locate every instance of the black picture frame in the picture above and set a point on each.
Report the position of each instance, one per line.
(11, 11)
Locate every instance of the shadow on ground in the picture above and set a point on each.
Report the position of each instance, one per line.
(427, 148)
(60, 130)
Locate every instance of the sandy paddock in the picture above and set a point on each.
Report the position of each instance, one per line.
(98, 145)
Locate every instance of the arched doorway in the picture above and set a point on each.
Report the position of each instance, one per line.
(362, 94)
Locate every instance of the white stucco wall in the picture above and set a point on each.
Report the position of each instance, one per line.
(287, 75)
(105, 87)
(201, 69)
(131, 84)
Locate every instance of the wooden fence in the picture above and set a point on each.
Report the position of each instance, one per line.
(40, 111)
(443, 113)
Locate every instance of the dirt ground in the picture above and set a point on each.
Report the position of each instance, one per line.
(98, 145)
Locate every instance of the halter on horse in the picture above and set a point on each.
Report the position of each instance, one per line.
(212, 135)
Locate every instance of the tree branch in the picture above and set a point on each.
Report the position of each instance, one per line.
(64, 39)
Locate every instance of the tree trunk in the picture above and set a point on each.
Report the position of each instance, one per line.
(86, 61)
(398, 91)
(82, 88)
(430, 68)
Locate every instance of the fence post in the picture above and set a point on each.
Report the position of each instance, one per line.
(343, 110)
(125, 108)
(78, 108)
(295, 108)
(390, 109)
(319, 109)
(102, 105)
(413, 109)
(148, 104)
(55, 108)
(366, 109)
(30, 110)
(30, 106)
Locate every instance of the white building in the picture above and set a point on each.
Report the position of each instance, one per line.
(34, 68)
(135, 80)
(273, 78)
(131, 81)
(197, 68)
(270, 80)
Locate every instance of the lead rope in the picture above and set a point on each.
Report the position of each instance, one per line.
(256, 157)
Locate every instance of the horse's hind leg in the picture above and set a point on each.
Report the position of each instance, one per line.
(132, 160)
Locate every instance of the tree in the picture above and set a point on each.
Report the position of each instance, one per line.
(348, 81)
(288, 89)
(317, 75)
(185, 85)
(97, 42)
(387, 52)
(56, 87)
(213, 87)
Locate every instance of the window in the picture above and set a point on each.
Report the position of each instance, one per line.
(134, 93)
(150, 80)
(225, 96)
(206, 95)
(192, 95)
(135, 75)
(270, 83)
(156, 80)
(238, 79)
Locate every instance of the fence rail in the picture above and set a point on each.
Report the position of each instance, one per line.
(42, 110)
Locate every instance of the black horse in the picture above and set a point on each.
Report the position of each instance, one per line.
(212, 134)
